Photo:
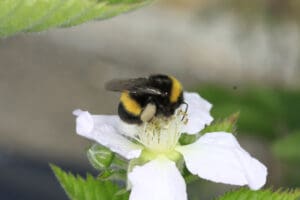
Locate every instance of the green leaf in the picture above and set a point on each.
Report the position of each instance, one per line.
(38, 15)
(246, 194)
(288, 148)
(6, 8)
(90, 188)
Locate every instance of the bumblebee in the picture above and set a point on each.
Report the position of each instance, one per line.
(144, 98)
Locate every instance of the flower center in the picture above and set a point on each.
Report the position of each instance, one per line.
(161, 134)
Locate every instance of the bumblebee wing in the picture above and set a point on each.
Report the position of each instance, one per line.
(147, 90)
(138, 86)
(119, 85)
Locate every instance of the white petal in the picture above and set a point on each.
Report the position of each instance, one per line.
(130, 130)
(198, 113)
(218, 157)
(104, 130)
(157, 180)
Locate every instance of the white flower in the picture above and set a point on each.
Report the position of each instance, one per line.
(214, 156)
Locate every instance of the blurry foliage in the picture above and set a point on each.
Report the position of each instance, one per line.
(35, 15)
(261, 195)
(264, 112)
(291, 177)
(264, 10)
(288, 148)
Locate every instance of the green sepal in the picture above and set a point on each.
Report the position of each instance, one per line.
(188, 176)
(188, 139)
(148, 155)
(100, 157)
(113, 175)
(226, 125)
(110, 165)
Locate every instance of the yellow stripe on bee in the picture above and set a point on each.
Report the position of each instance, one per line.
(176, 90)
(130, 105)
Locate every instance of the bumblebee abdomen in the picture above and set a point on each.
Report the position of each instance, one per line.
(127, 116)
(130, 104)
(129, 109)
(176, 90)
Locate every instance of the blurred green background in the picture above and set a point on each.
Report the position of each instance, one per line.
(240, 55)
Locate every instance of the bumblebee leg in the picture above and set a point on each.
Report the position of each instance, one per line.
(149, 112)
(185, 112)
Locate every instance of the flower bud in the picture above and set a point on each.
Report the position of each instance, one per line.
(100, 157)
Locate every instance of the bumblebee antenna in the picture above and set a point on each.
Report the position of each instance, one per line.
(185, 111)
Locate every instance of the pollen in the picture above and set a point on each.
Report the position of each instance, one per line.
(161, 134)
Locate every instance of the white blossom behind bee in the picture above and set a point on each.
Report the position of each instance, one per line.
(214, 156)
